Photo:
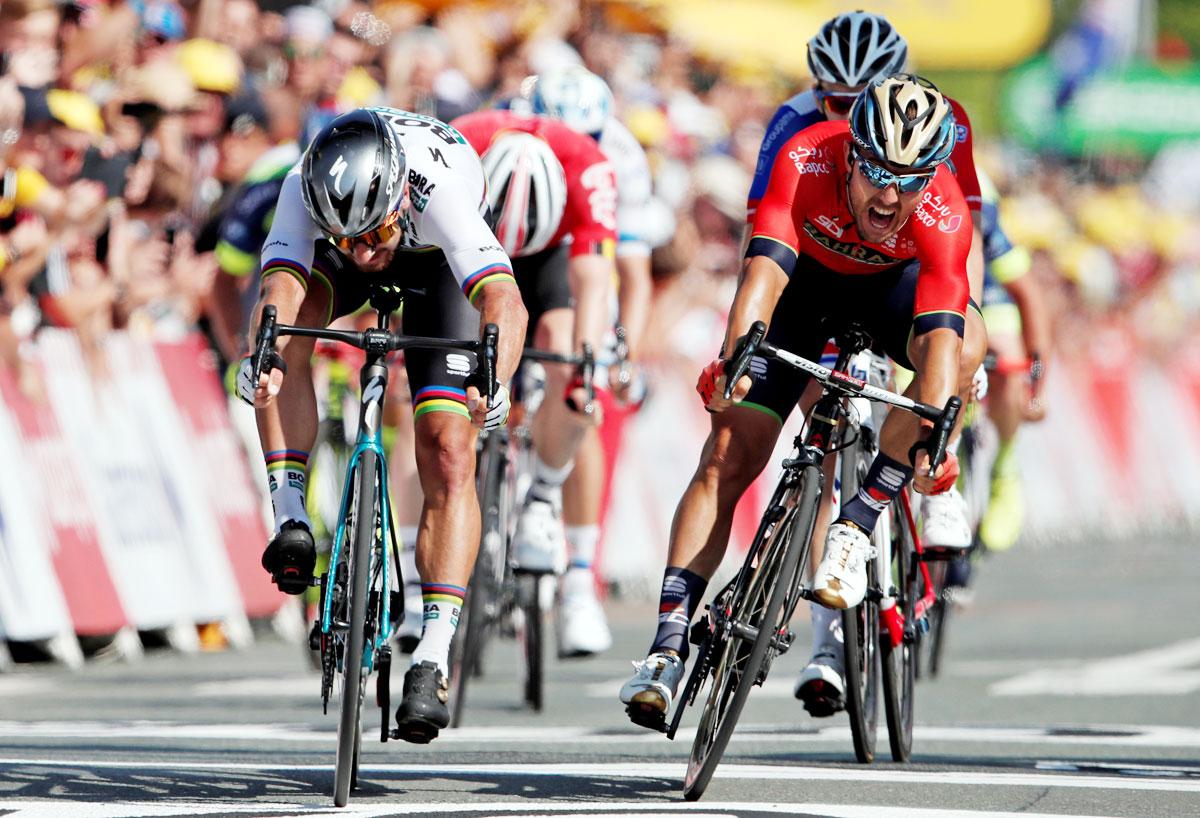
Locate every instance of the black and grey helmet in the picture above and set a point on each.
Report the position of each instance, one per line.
(854, 48)
(353, 174)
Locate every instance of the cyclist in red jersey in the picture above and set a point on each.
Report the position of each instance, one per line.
(860, 223)
(565, 279)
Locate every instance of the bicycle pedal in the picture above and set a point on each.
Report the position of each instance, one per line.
(649, 717)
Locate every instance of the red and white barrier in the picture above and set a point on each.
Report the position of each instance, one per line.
(131, 485)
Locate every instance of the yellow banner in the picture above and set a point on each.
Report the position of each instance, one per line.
(979, 34)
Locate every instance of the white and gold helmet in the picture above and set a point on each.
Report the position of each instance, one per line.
(905, 121)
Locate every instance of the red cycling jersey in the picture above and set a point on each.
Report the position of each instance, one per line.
(590, 218)
(963, 157)
(804, 212)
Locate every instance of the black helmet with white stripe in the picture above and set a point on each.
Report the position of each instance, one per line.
(855, 48)
(353, 174)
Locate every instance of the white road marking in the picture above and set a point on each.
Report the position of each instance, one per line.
(616, 809)
(1090, 735)
(266, 686)
(24, 686)
(659, 770)
(1155, 672)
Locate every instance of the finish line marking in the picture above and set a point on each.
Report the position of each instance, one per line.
(654, 770)
(1091, 735)
(1154, 672)
(616, 809)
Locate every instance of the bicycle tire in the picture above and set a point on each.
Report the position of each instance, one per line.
(361, 535)
(860, 631)
(940, 614)
(473, 623)
(532, 638)
(786, 547)
(329, 461)
(899, 663)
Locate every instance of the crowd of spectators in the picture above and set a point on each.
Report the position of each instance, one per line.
(128, 126)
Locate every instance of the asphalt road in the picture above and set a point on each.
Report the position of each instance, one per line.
(1072, 687)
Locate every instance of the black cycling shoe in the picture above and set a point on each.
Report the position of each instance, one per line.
(291, 557)
(423, 712)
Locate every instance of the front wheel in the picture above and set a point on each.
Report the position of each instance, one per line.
(757, 602)
(361, 537)
(899, 661)
(529, 588)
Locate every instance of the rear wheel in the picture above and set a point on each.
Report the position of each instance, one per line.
(757, 603)
(531, 635)
(360, 536)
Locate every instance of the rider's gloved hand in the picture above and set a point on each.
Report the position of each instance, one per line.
(492, 417)
(711, 387)
(943, 479)
(269, 382)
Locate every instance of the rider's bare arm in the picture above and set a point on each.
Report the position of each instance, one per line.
(591, 281)
(499, 302)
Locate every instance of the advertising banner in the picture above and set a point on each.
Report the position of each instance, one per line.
(32, 607)
(172, 462)
(64, 512)
(146, 555)
(220, 465)
(1137, 109)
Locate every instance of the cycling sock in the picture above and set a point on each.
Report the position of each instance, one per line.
(443, 604)
(827, 629)
(883, 483)
(681, 594)
(287, 472)
(581, 546)
(1005, 464)
(548, 482)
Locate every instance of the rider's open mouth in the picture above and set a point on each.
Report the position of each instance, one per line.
(880, 219)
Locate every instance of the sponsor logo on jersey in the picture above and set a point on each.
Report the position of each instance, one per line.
(830, 224)
(803, 159)
(933, 210)
(419, 189)
(858, 252)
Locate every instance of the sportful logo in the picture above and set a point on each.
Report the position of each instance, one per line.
(850, 249)
(338, 169)
(458, 364)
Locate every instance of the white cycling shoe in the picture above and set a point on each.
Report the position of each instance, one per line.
(841, 578)
(539, 543)
(821, 685)
(582, 626)
(944, 521)
(648, 695)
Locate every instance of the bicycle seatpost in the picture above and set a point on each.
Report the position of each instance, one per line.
(746, 348)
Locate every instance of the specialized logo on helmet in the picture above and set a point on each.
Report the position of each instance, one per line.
(337, 171)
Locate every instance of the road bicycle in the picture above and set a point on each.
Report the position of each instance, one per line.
(745, 627)
(504, 599)
(361, 603)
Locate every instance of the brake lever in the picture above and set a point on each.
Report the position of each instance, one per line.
(746, 348)
(491, 345)
(941, 433)
(264, 342)
(588, 371)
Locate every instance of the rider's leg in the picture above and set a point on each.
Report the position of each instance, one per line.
(557, 431)
(287, 428)
(1008, 395)
(583, 629)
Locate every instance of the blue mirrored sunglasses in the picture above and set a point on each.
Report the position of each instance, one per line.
(881, 177)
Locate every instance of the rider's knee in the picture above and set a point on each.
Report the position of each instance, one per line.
(446, 453)
(732, 461)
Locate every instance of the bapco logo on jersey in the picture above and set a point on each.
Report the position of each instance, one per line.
(801, 158)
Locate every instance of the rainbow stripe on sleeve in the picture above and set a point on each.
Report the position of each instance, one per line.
(493, 272)
(285, 265)
(440, 399)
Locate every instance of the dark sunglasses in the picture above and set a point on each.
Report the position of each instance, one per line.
(380, 235)
(837, 103)
(881, 177)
